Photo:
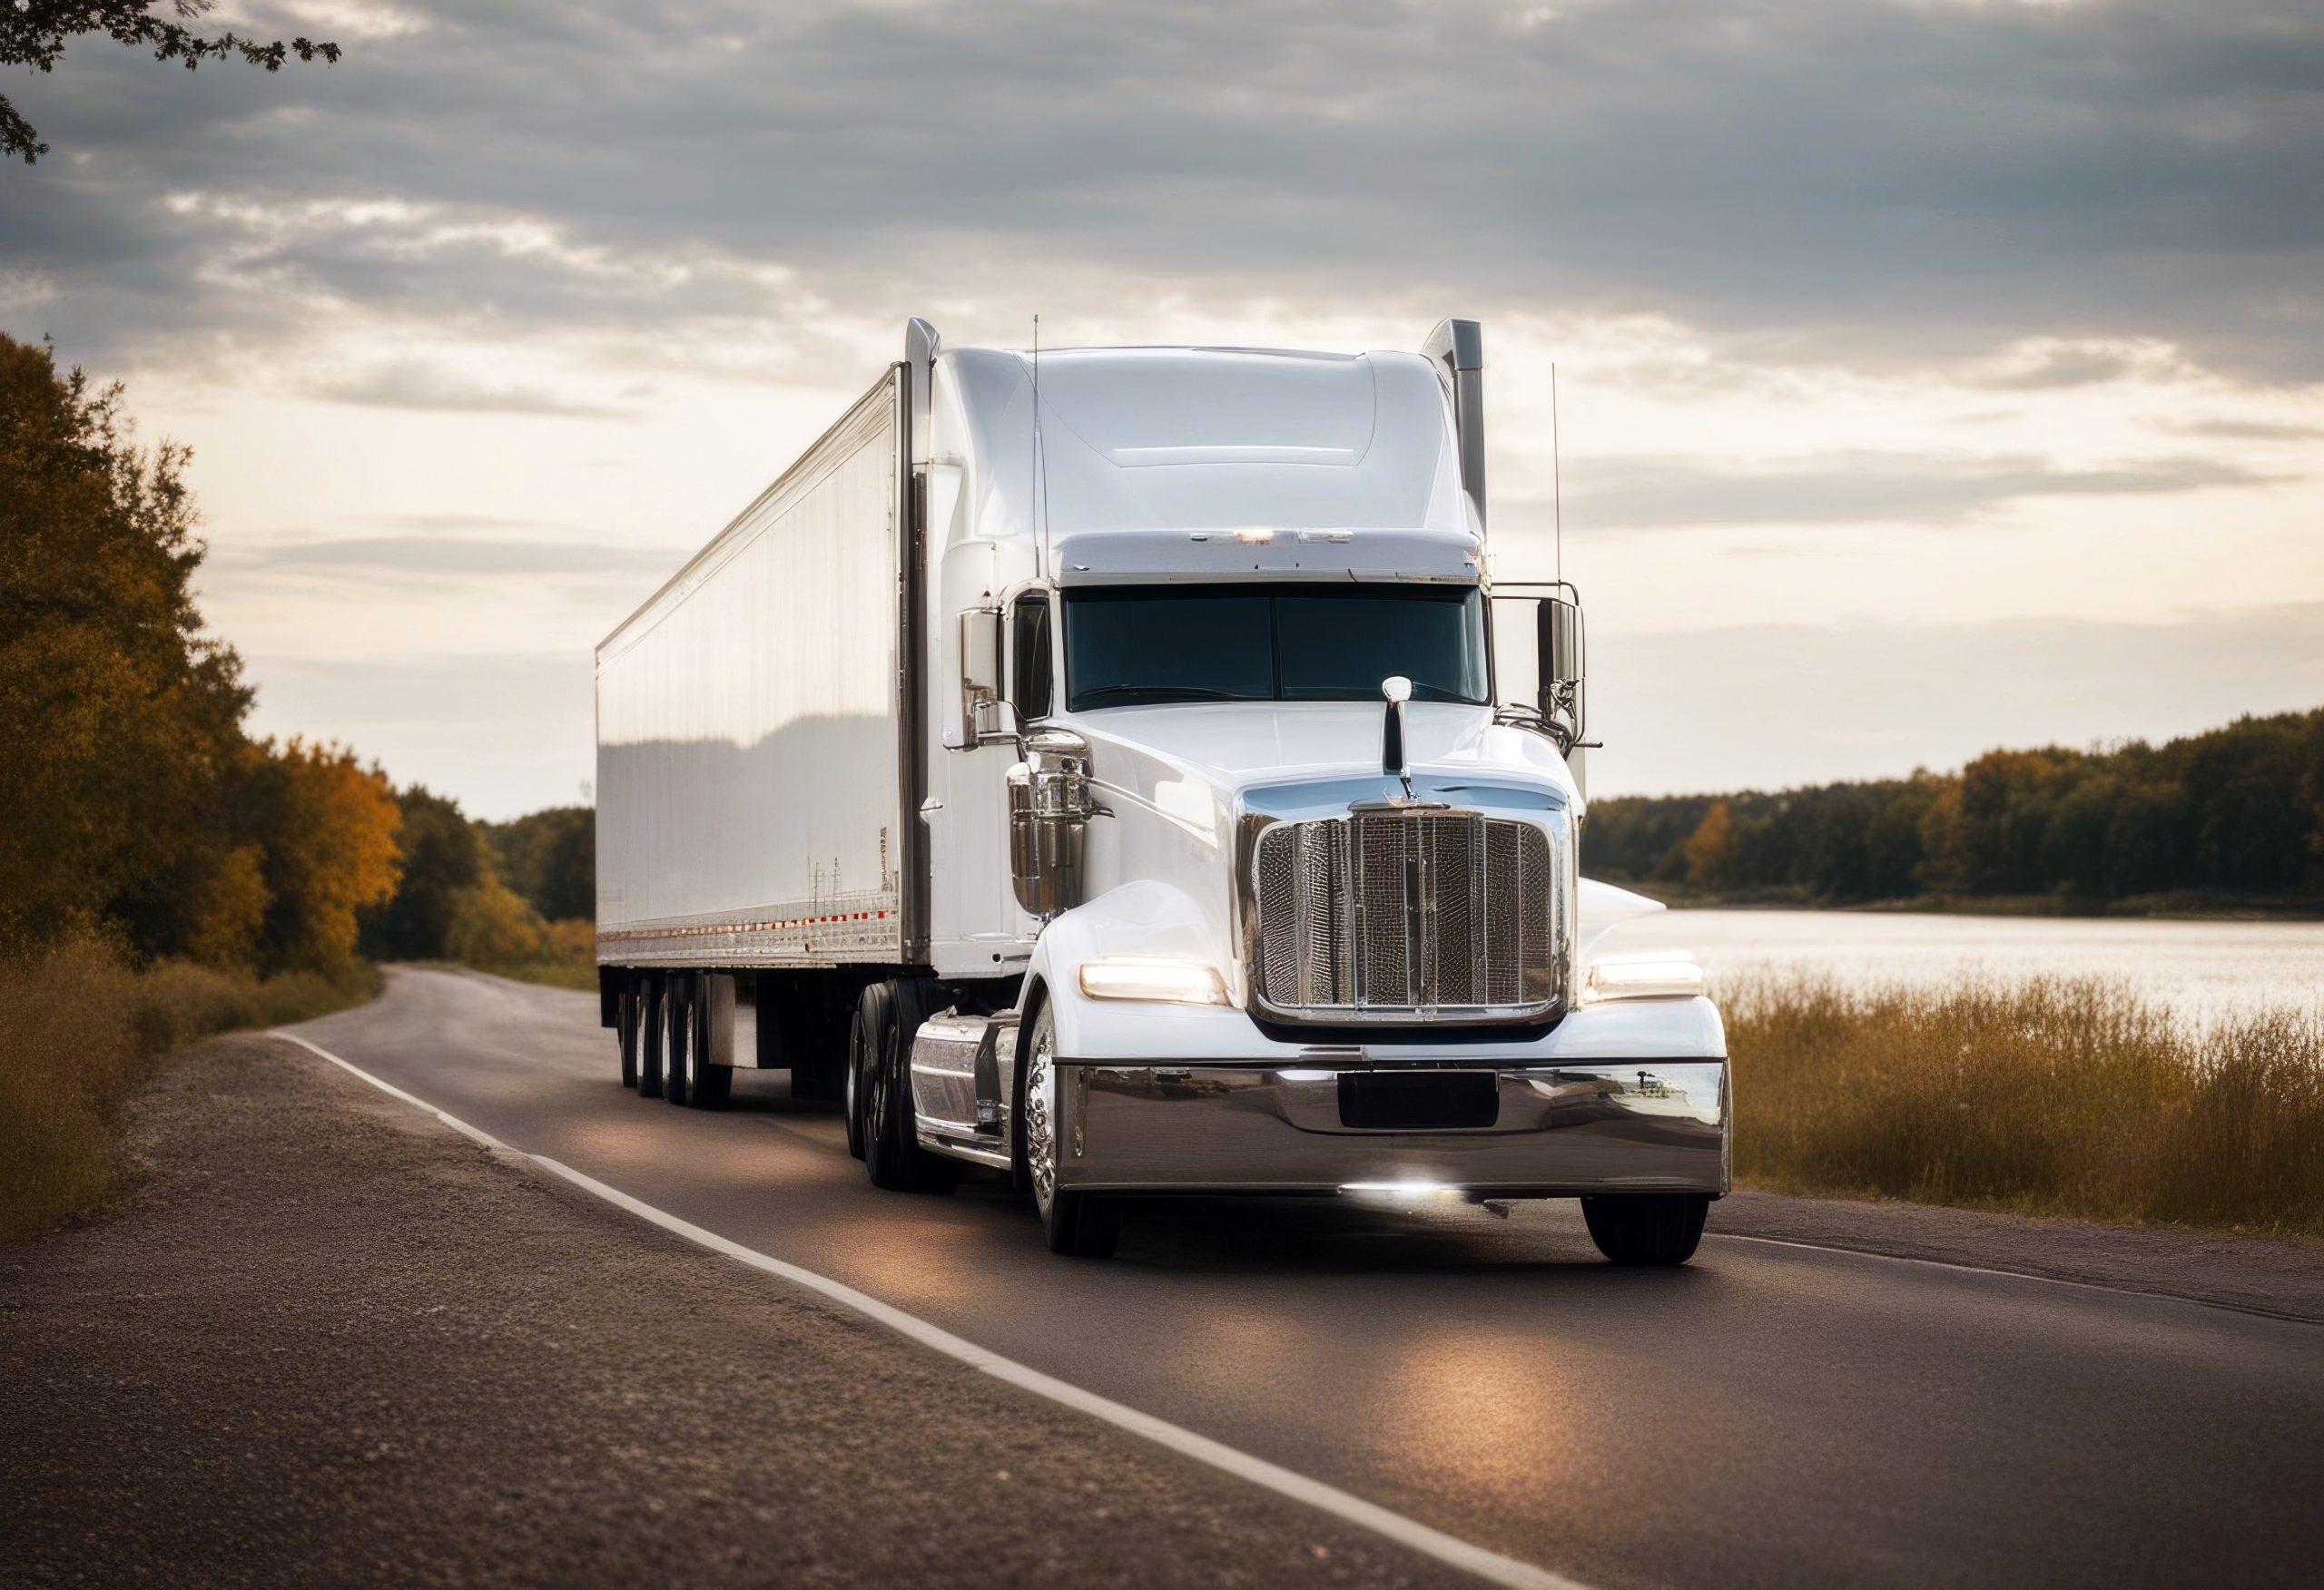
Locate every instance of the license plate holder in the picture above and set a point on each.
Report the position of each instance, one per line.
(1419, 1101)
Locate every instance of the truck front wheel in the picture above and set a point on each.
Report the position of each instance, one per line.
(1073, 1223)
(1645, 1228)
(889, 1019)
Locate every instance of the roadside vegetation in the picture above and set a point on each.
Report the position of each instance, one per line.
(79, 1026)
(166, 874)
(2070, 1098)
(2228, 821)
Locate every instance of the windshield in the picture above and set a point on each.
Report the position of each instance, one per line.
(1137, 646)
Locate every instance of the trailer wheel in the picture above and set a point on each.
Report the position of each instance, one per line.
(678, 1005)
(625, 1012)
(709, 1085)
(1078, 1224)
(1645, 1228)
(892, 1152)
(652, 996)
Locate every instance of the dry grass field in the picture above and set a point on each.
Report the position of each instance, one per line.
(2074, 1098)
(76, 1028)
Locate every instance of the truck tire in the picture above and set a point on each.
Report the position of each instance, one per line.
(625, 1038)
(1645, 1228)
(1077, 1223)
(708, 1085)
(678, 1059)
(863, 1041)
(652, 995)
(891, 1153)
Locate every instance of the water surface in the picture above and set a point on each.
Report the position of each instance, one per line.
(2204, 970)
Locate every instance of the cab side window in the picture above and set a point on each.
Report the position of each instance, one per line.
(1028, 656)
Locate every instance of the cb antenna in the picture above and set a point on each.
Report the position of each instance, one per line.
(1557, 481)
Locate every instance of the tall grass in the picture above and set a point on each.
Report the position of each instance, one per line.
(76, 1028)
(2066, 1097)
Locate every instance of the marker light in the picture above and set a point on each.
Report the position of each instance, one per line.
(1662, 976)
(1256, 536)
(1168, 982)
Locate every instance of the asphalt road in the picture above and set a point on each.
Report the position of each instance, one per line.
(1769, 1414)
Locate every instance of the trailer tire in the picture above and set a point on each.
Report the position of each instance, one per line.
(625, 1038)
(709, 1084)
(651, 998)
(891, 1153)
(1080, 1224)
(678, 1061)
(1645, 1228)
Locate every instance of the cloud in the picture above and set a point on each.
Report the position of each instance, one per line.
(410, 384)
(1860, 182)
(1863, 487)
(469, 556)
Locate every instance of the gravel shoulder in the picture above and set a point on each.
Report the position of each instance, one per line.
(2282, 1277)
(328, 1340)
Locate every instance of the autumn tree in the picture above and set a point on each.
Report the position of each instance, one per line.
(443, 854)
(35, 33)
(122, 714)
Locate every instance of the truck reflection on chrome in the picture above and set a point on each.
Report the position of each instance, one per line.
(1119, 773)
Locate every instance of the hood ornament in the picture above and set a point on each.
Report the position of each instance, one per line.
(1397, 689)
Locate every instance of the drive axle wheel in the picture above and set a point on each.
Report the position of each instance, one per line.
(889, 1016)
(1645, 1228)
(1079, 1223)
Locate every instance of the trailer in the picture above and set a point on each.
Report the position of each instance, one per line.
(1118, 771)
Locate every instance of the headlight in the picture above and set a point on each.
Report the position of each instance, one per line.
(1643, 977)
(1171, 981)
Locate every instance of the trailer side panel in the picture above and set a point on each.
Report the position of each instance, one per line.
(748, 780)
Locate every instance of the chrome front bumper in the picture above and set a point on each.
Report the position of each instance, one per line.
(1629, 1126)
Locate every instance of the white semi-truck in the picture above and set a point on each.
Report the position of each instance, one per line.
(1092, 769)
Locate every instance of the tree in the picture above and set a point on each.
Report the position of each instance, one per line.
(330, 824)
(550, 857)
(122, 715)
(442, 855)
(1709, 846)
(34, 33)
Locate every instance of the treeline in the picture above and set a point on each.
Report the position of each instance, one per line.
(2233, 811)
(135, 807)
(518, 896)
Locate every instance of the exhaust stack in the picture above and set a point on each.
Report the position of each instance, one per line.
(1457, 348)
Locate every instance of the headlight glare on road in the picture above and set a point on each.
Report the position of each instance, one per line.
(1659, 975)
(1168, 982)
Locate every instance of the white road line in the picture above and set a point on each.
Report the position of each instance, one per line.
(2095, 1286)
(1410, 1533)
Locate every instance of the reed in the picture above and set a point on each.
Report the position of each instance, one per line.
(2078, 1098)
(78, 1028)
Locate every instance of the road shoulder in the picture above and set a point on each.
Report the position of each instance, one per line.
(328, 1339)
(2284, 1277)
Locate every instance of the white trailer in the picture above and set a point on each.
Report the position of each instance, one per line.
(1096, 771)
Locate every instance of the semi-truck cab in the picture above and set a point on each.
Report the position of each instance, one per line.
(1110, 770)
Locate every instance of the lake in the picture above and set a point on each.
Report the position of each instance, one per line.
(2204, 970)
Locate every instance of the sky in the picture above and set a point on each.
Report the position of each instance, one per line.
(1931, 375)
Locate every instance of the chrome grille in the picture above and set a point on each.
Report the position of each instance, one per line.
(1407, 912)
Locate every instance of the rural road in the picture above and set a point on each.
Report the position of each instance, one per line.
(1771, 1415)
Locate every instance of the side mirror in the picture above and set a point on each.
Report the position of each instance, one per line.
(1564, 654)
(979, 674)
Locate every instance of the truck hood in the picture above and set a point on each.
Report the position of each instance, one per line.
(1159, 753)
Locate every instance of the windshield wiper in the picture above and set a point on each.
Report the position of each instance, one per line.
(1164, 692)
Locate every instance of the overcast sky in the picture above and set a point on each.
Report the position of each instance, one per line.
(1932, 376)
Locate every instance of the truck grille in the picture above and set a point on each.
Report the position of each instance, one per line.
(1431, 913)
